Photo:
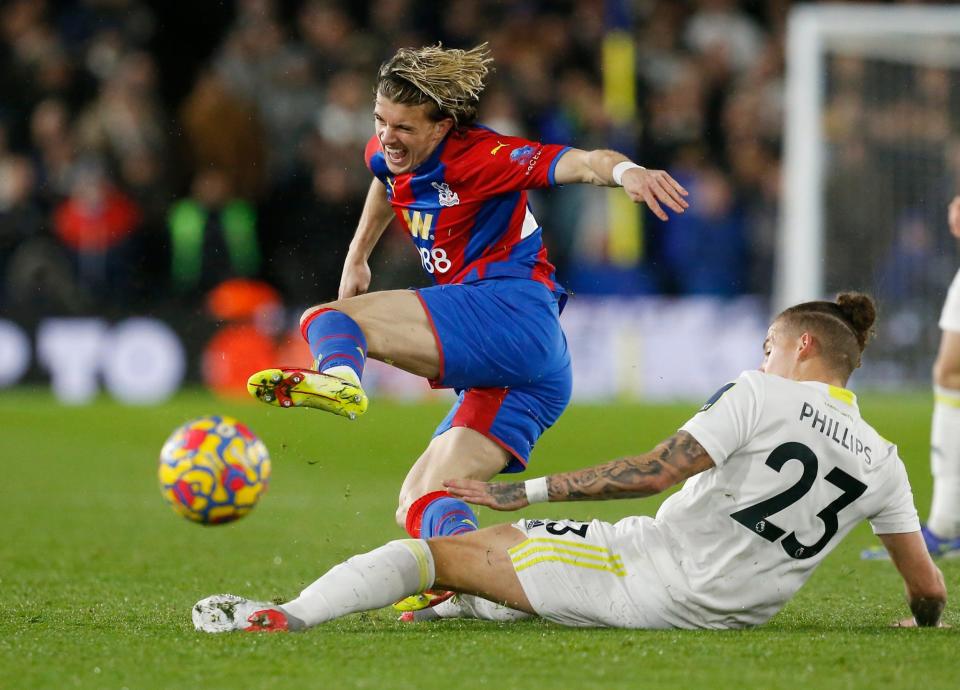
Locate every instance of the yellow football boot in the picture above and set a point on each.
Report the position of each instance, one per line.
(417, 602)
(308, 388)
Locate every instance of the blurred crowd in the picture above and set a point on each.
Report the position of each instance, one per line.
(893, 133)
(892, 127)
(118, 192)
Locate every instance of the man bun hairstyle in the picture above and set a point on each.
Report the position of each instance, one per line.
(449, 79)
(860, 312)
(843, 327)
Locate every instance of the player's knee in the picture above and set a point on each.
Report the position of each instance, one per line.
(404, 502)
(411, 507)
(309, 313)
(341, 306)
(946, 373)
(402, 509)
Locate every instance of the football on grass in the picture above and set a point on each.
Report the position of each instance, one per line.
(213, 470)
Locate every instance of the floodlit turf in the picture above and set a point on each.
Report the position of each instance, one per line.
(97, 575)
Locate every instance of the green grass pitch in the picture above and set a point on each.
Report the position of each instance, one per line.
(97, 575)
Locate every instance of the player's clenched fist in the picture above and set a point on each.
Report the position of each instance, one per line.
(355, 279)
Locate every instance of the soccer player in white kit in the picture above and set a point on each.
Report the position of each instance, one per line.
(779, 467)
(942, 531)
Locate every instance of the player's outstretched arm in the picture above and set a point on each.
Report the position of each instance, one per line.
(611, 169)
(925, 589)
(374, 219)
(671, 462)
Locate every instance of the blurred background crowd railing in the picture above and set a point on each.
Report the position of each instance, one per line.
(151, 151)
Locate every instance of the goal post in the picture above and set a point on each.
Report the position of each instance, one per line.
(852, 184)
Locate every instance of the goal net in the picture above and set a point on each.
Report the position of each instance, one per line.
(872, 158)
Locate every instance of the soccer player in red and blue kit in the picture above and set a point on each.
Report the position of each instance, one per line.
(489, 328)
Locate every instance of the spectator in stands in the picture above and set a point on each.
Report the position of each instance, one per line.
(54, 150)
(20, 216)
(213, 236)
(97, 225)
(705, 251)
(223, 132)
(279, 84)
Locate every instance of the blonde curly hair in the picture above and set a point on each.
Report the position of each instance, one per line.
(447, 78)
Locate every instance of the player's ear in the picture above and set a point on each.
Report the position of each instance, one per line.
(442, 127)
(806, 346)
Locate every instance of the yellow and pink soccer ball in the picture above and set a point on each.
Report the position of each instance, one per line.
(213, 470)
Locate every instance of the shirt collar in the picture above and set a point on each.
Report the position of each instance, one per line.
(843, 395)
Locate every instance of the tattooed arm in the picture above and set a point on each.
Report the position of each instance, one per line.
(671, 462)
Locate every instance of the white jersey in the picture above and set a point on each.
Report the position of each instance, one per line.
(796, 469)
(950, 315)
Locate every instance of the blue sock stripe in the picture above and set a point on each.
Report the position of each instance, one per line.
(336, 340)
(361, 342)
(338, 358)
(445, 517)
(450, 526)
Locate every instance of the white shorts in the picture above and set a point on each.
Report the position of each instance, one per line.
(590, 574)
(950, 316)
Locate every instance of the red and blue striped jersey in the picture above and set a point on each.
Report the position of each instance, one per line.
(466, 206)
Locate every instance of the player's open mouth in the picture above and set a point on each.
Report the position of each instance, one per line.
(395, 156)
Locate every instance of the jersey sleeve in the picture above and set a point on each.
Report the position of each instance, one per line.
(728, 419)
(899, 513)
(500, 165)
(373, 157)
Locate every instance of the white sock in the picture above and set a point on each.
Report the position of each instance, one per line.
(944, 518)
(369, 581)
(470, 606)
(342, 371)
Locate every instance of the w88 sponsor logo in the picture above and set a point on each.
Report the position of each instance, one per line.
(434, 260)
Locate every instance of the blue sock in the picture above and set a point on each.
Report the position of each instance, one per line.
(335, 340)
(447, 516)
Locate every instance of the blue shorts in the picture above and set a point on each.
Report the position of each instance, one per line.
(502, 348)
